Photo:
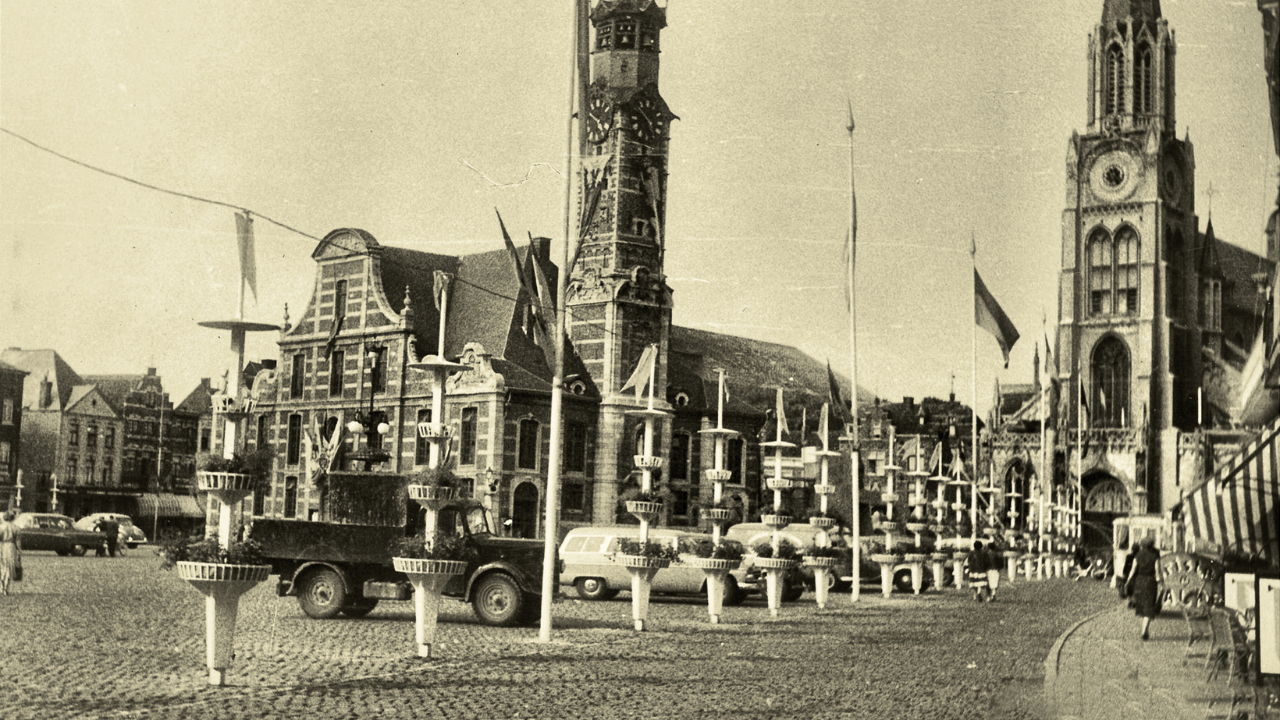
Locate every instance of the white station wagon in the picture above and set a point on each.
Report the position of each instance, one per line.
(590, 565)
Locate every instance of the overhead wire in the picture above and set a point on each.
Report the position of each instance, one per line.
(532, 301)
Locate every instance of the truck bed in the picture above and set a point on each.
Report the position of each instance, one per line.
(304, 540)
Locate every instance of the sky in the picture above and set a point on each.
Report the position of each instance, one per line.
(414, 121)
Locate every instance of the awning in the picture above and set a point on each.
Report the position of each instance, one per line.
(168, 505)
(1236, 508)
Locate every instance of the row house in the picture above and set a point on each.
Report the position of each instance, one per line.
(11, 382)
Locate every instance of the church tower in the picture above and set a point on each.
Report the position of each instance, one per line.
(618, 298)
(1128, 336)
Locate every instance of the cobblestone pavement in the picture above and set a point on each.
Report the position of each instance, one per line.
(119, 638)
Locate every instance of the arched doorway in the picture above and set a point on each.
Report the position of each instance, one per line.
(1105, 500)
(524, 511)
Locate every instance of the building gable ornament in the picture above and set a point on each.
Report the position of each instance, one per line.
(479, 374)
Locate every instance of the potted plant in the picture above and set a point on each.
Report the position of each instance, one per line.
(204, 549)
(718, 512)
(433, 488)
(247, 472)
(822, 518)
(786, 555)
(820, 556)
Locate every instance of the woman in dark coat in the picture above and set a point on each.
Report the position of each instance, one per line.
(1142, 579)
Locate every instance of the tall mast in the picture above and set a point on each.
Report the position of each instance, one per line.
(852, 240)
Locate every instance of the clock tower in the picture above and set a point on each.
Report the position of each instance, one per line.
(618, 298)
(1128, 333)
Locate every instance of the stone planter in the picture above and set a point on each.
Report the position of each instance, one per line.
(219, 481)
(642, 569)
(718, 515)
(428, 578)
(821, 489)
(819, 521)
(644, 510)
(818, 562)
(774, 569)
(821, 566)
(715, 569)
(917, 527)
(222, 585)
(431, 497)
(783, 484)
(915, 557)
(647, 462)
(886, 561)
(888, 498)
(885, 558)
(775, 521)
(719, 476)
(888, 526)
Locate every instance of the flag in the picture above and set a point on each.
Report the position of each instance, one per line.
(782, 416)
(997, 400)
(334, 329)
(990, 317)
(833, 394)
(1102, 403)
(910, 449)
(644, 369)
(523, 278)
(1036, 371)
(440, 285)
(804, 424)
(545, 298)
(935, 458)
(824, 427)
(248, 265)
(852, 236)
(1084, 406)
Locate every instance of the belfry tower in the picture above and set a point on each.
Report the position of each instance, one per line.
(618, 298)
(1129, 337)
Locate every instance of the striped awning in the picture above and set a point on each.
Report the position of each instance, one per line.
(1236, 508)
(168, 505)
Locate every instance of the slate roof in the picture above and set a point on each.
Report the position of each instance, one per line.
(199, 400)
(41, 364)
(1239, 293)
(6, 367)
(115, 388)
(753, 370)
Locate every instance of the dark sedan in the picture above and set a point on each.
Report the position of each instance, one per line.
(50, 531)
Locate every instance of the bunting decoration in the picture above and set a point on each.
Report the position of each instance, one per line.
(526, 284)
(782, 416)
(833, 395)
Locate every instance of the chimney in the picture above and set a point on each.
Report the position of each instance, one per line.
(268, 364)
(542, 248)
(908, 401)
(151, 372)
(46, 393)
(953, 397)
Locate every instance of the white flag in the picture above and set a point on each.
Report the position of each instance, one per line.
(640, 376)
(248, 265)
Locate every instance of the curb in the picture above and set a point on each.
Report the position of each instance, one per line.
(1051, 662)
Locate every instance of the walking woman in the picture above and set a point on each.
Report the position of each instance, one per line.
(10, 552)
(1142, 581)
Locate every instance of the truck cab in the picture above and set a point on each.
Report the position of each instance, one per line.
(344, 567)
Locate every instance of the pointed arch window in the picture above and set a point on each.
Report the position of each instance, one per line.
(1113, 273)
(1110, 394)
(1142, 81)
(1114, 90)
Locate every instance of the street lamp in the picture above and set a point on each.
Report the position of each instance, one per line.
(373, 430)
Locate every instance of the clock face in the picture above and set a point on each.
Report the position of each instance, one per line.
(646, 119)
(599, 120)
(1171, 183)
(1114, 175)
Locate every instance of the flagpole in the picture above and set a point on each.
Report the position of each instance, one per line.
(557, 379)
(855, 519)
(973, 479)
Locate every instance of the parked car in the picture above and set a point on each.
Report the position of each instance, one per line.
(50, 531)
(591, 566)
(802, 535)
(130, 534)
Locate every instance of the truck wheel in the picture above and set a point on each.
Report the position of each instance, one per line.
(360, 607)
(322, 594)
(733, 595)
(792, 591)
(78, 550)
(902, 581)
(591, 588)
(497, 600)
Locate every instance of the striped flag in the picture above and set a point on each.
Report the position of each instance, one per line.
(991, 317)
(1236, 509)
(525, 279)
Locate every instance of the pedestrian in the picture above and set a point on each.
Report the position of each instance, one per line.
(993, 569)
(10, 553)
(975, 569)
(109, 527)
(1141, 584)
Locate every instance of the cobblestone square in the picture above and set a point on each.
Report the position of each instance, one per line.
(120, 638)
